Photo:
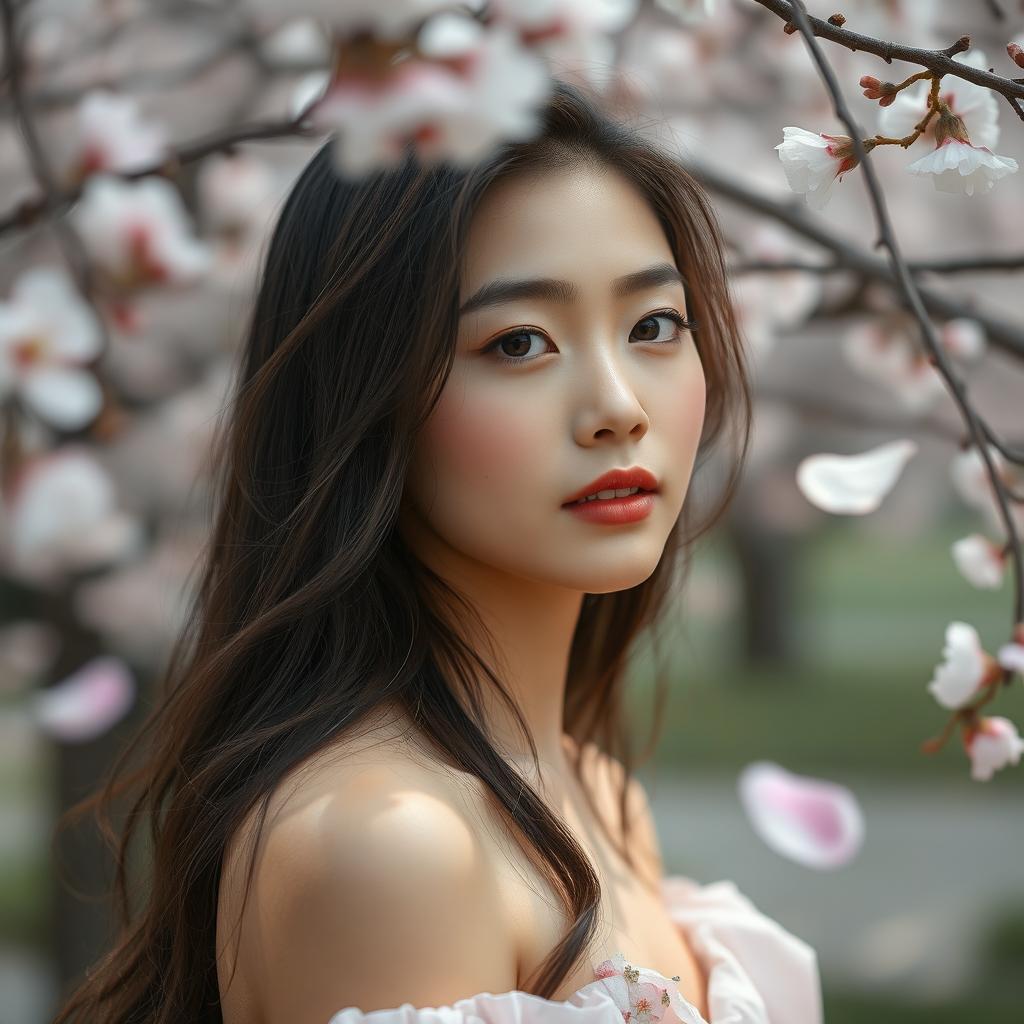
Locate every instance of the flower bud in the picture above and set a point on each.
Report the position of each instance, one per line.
(884, 92)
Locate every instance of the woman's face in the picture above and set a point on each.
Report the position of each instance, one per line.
(591, 381)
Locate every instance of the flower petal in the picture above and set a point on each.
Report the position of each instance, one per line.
(812, 821)
(88, 702)
(853, 484)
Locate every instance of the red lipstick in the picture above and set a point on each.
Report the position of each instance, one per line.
(616, 479)
(614, 511)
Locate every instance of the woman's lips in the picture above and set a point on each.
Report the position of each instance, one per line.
(614, 511)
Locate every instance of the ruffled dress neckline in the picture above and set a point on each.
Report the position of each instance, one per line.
(642, 994)
(757, 972)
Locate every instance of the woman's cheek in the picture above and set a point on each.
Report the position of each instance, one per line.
(685, 418)
(488, 442)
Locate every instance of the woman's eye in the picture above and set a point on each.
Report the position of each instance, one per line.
(515, 345)
(679, 322)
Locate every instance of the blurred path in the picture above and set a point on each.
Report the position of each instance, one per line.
(906, 914)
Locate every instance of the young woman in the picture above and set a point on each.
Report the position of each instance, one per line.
(388, 771)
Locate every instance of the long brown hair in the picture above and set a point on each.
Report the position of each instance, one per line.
(310, 612)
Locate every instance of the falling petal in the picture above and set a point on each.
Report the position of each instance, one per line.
(812, 821)
(853, 484)
(87, 703)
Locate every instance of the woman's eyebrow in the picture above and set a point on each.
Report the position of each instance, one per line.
(502, 290)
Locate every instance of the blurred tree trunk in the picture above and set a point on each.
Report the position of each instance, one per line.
(766, 560)
(81, 925)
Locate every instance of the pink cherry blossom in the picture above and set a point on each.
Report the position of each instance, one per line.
(812, 821)
(48, 335)
(992, 744)
(87, 703)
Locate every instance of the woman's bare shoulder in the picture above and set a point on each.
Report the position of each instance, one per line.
(371, 856)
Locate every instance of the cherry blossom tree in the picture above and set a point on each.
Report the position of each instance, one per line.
(126, 192)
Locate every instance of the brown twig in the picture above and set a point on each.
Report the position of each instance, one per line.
(913, 299)
(947, 265)
(1002, 333)
(54, 201)
(39, 163)
(939, 61)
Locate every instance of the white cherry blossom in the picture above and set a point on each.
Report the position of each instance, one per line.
(991, 745)
(62, 515)
(960, 167)
(969, 474)
(816, 823)
(456, 110)
(112, 135)
(970, 479)
(853, 484)
(1011, 657)
(966, 667)
(139, 232)
(976, 105)
(980, 561)
(87, 703)
(813, 161)
(47, 335)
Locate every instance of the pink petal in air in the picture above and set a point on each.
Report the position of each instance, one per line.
(87, 703)
(812, 821)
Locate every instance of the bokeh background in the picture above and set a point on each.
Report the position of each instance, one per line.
(803, 638)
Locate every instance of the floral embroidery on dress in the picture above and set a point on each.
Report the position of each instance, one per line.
(640, 1001)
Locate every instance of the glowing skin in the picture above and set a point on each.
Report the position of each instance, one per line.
(599, 385)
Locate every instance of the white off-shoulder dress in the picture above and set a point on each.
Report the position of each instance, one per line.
(757, 973)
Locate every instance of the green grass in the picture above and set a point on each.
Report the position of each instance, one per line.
(853, 1008)
(25, 888)
(871, 616)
